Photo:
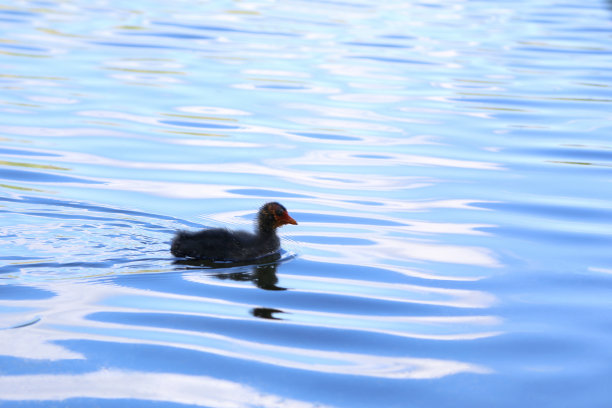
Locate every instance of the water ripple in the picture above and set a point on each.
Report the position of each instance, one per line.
(109, 384)
(447, 162)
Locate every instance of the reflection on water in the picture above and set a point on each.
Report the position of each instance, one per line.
(448, 163)
(262, 272)
(145, 386)
(124, 314)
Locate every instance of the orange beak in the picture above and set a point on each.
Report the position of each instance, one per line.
(287, 219)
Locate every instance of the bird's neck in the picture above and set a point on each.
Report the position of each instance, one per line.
(265, 230)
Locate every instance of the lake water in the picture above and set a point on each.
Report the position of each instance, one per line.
(448, 163)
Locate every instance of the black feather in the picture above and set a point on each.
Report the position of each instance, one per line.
(220, 244)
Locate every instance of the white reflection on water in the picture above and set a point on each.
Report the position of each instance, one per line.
(348, 158)
(145, 79)
(353, 113)
(363, 72)
(216, 143)
(405, 250)
(321, 179)
(601, 270)
(394, 292)
(328, 180)
(437, 327)
(66, 317)
(300, 88)
(346, 124)
(36, 344)
(117, 384)
(277, 73)
(389, 325)
(212, 110)
(367, 98)
(60, 132)
(103, 114)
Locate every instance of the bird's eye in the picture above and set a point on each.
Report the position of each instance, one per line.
(279, 212)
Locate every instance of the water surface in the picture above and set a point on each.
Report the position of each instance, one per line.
(448, 163)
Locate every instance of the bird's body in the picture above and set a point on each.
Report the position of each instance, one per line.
(220, 244)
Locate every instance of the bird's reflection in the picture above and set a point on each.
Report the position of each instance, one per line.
(263, 276)
(266, 313)
(262, 273)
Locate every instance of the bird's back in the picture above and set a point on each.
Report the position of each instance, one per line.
(207, 244)
(219, 244)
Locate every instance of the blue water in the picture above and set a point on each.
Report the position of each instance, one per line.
(448, 163)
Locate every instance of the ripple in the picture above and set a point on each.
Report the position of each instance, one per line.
(112, 384)
(19, 152)
(225, 29)
(286, 88)
(347, 158)
(376, 45)
(75, 239)
(198, 125)
(325, 136)
(393, 60)
(58, 132)
(17, 13)
(447, 163)
(124, 44)
(368, 98)
(212, 110)
(23, 47)
(266, 193)
(180, 36)
(122, 323)
(41, 177)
